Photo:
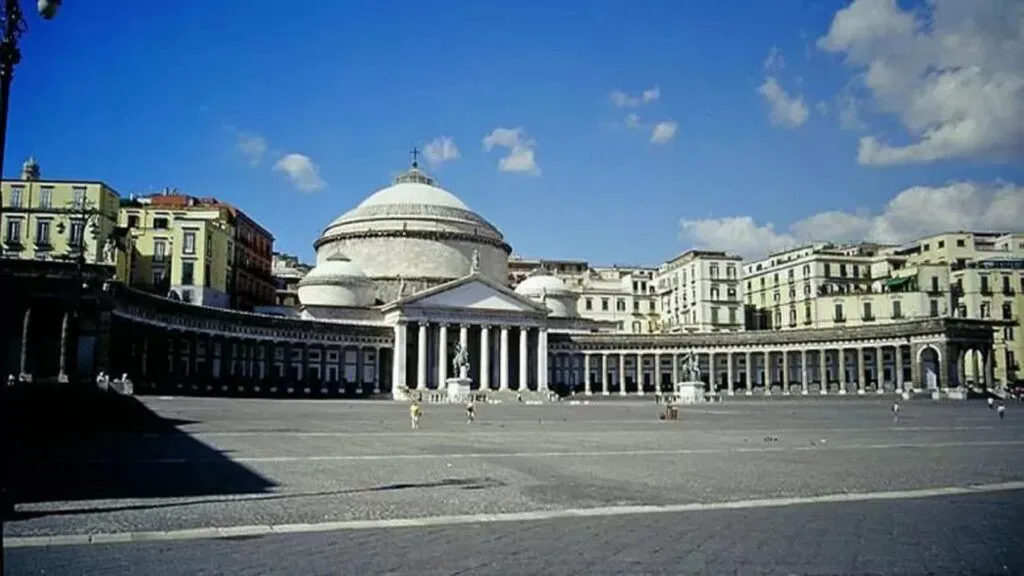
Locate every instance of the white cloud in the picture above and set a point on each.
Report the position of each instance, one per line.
(521, 149)
(913, 213)
(252, 146)
(786, 110)
(774, 63)
(950, 71)
(624, 100)
(440, 150)
(663, 132)
(633, 121)
(301, 170)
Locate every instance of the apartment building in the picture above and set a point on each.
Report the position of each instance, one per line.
(45, 219)
(199, 250)
(701, 291)
(624, 295)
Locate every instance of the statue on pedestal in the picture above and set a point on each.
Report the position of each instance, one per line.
(460, 362)
(691, 368)
(109, 251)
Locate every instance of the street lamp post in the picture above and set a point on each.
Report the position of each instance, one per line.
(81, 219)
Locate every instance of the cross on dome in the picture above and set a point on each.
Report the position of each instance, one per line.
(414, 175)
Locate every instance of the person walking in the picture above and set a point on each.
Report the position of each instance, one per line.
(414, 414)
(895, 411)
(991, 401)
(1001, 410)
(470, 411)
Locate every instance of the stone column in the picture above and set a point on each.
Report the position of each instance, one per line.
(622, 374)
(841, 370)
(542, 360)
(485, 358)
(62, 376)
(804, 384)
(26, 320)
(421, 358)
(990, 374)
(861, 370)
(503, 359)
(961, 361)
(464, 344)
(785, 371)
(879, 372)
(898, 380)
(587, 388)
(524, 365)
(442, 356)
(916, 374)
(749, 359)
(604, 375)
(712, 373)
(730, 384)
(675, 370)
(399, 361)
(823, 371)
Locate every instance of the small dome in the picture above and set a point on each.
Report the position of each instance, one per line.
(336, 282)
(542, 284)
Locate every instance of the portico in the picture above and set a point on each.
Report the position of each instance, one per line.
(505, 334)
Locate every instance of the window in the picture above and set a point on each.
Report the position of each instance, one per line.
(78, 197)
(160, 223)
(985, 288)
(935, 284)
(714, 315)
(46, 197)
(807, 289)
(960, 243)
(206, 275)
(1007, 311)
(1007, 289)
(636, 306)
(77, 233)
(807, 313)
(941, 244)
(159, 250)
(839, 313)
(792, 316)
(933, 307)
(866, 312)
(807, 270)
(133, 221)
(187, 273)
(713, 270)
(789, 275)
(714, 293)
(14, 231)
(897, 309)
(985, 309)
(842, 270)
(43, 232)
(828, 270)
(730, 271)
(620, 305)
(188, 246)
(158, 278)
(186, 296)
(15, 199)
(926, 247)
(732, 316)
(589, 303)
(856, 271)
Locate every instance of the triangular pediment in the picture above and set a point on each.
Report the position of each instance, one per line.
(473, 293)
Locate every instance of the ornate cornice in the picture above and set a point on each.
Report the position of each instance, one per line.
(433, 235)
(949, 328)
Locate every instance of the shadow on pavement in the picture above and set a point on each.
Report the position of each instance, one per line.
(462, 483)
(44, 428)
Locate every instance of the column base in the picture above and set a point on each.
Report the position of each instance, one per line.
(881, 390)
(804, 392)
(63, 378)
(606, 392)
(731, 392)
(843, 391)
(25, 377)
(861, 391)
(589, 392)
(823, 392)
(767, 392)
(750, 393)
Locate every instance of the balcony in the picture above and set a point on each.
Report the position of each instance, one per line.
(897, 316)
(1007, 291)
(986, 290)
(839, 320)
(868, 318)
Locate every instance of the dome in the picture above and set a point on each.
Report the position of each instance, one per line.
(551, 292)
(542, 284)
(336, 282)
(413, 235)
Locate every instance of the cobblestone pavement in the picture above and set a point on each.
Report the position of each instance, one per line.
(504, 495)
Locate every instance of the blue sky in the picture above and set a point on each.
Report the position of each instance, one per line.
(144, 95)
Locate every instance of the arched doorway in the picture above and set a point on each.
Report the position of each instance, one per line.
(929, 359)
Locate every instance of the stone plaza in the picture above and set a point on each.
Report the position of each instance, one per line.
(248, 486)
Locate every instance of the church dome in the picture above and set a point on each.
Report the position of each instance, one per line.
(336, 282)
(550, 291)
(414, 234)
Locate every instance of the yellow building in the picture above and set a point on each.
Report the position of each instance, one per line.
(46, 219)
(183, 249)
(955, 274)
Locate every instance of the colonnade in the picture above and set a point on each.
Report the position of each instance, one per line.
(501, 357)
(839, 369)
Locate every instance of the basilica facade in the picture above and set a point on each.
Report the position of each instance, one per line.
(408, 277)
